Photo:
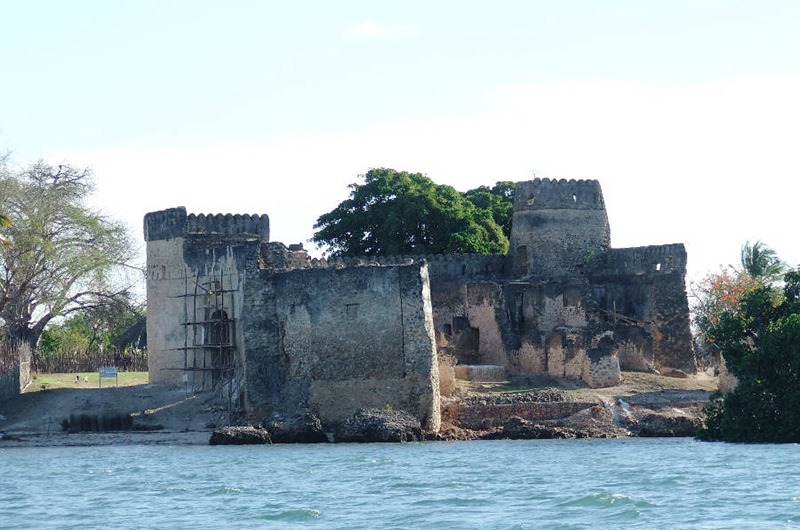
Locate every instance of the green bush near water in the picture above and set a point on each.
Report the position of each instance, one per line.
(760, 341)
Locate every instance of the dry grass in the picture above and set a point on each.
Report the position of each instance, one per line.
(54, 381)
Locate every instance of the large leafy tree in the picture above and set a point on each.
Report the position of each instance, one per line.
(760, 262)
(395, 212)
(65, 257)
(761, 344)
(499, 199)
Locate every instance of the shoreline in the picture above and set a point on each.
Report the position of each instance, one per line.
(149, 438)
(101, 439)
(645, 405)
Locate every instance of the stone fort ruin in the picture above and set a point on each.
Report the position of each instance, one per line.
(279, 333)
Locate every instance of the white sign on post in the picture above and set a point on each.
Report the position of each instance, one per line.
(108, 372)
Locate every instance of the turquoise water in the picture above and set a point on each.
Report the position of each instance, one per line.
(558, 484)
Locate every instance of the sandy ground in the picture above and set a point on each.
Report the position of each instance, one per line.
(655, 391)
(34, 419)
(637, 388)
(633, 383)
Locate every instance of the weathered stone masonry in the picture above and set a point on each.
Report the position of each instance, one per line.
(229, 312)
(563, 302)
(332, 341)
(284, 333)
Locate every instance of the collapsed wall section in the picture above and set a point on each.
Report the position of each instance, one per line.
(335, 340)
(643, 291)
(529, 327)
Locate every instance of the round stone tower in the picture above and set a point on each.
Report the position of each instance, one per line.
(558, 226)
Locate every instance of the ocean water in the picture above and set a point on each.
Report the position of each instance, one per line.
(558, 484)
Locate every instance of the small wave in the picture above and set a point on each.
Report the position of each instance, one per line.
(173, 489)
(605, 499)
(226, 491)
(454, 501)
(410, 485)
(292, 515)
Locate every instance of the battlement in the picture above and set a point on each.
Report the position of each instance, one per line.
(229, 225)
(647, 261)
(174, 222)
(551, 194)
(443, 267)
(165, 224)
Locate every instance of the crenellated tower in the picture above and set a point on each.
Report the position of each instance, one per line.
(195, 275)
(558, 225)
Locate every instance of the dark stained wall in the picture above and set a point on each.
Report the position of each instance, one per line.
(331, 341)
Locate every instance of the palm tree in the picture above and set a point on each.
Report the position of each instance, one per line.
(760, 262)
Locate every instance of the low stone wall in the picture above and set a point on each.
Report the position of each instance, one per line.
(482, 416)
(486, 373)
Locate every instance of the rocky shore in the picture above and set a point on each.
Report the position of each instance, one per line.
(549, 413)
(645, 406)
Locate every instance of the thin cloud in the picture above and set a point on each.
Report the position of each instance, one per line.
(371, 30)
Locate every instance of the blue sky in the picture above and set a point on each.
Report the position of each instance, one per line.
(686, 112)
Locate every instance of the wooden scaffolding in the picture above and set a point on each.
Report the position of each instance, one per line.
(210, 353)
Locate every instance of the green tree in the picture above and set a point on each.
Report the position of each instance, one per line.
(395, 212)
(715, 294)
(760, 341)
(760, 262)
(5, 221)
(85, 336)
(66, 256)
(499, 200)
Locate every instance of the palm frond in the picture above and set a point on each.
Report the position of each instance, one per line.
(760, 262)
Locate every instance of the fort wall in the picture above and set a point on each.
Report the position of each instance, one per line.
(442, 267)
(643, 290)
(328, 336)
(9, 383)
(331, 341)
(532, 327)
